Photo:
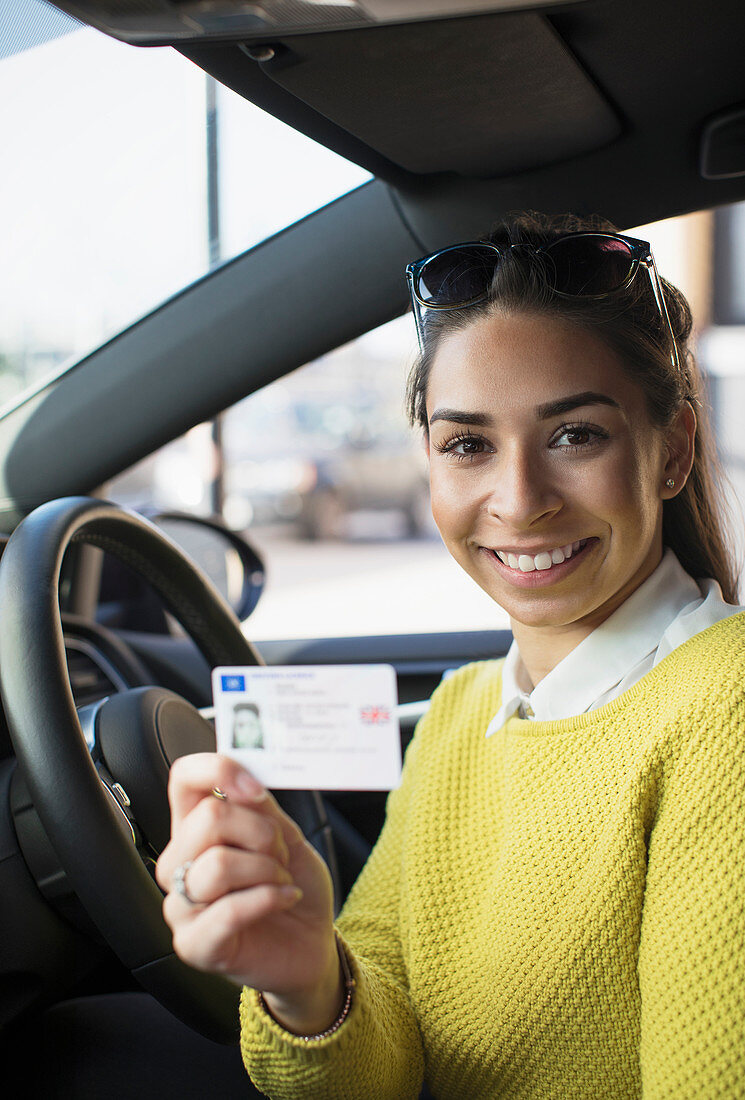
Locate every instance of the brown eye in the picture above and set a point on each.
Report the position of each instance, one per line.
(469, 446)
(463, 446)
(576, 436)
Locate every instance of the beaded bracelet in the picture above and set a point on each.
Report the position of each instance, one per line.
(349, 984)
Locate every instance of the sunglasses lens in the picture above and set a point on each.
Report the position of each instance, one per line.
(589, 265)
(456, 276)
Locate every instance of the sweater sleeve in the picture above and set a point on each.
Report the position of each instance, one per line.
(692, 946)
(377, 1051)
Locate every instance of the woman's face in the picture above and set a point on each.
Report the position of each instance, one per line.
(547, 475)
(246, 729)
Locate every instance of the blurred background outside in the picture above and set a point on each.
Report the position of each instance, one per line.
(128, 175)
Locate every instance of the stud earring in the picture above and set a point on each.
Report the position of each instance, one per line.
(670, 483)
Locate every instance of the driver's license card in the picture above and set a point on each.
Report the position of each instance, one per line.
(312, 727)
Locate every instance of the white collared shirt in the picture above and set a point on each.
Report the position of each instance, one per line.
(665, 611)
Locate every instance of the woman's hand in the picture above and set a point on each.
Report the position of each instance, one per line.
(261, 908)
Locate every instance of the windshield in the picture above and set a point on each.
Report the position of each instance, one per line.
(127, 174)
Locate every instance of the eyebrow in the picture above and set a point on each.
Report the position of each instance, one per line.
(575, 401)
(456, 416)
(543, 412)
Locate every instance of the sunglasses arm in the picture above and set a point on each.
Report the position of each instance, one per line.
(659, 297)
(417, 311)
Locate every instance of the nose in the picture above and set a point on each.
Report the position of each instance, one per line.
(523, 493)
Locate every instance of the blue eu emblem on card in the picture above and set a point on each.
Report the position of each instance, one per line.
(233, 683)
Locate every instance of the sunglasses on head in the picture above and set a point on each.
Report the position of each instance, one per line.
(579, 265)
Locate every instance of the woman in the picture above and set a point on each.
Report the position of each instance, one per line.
(554, 907)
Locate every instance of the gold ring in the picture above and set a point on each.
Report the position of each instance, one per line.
(218, 793)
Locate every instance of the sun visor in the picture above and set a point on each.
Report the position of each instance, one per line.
(484, 96)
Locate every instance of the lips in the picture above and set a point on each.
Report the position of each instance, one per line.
(545, 559)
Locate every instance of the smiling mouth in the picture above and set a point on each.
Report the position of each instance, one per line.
(542, 562)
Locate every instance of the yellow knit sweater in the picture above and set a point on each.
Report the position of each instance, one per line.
(553, 912)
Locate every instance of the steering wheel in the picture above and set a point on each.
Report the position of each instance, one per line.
(81, 783)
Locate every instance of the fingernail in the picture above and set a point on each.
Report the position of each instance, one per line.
(251, 788)
(291, 893)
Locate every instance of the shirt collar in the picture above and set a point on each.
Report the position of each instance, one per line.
(605, 656)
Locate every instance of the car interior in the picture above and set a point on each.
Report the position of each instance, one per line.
(459, 111)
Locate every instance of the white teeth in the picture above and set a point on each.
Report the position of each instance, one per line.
(526, 563)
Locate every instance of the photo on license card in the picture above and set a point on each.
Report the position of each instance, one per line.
(327, 727)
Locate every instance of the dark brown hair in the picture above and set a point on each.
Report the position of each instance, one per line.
(694, 521)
